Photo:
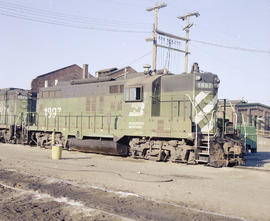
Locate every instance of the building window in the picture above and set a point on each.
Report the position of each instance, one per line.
(255, 121)
(55, 82)
(46, 83)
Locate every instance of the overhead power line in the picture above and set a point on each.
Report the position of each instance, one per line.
(43, 12)
(231, 47)
(70, 25)
(80, 22)
(61, 19)
(136, 59)
(133, 4)
(139, 58)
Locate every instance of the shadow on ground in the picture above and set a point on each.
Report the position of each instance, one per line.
(76, 158)
(258, 159)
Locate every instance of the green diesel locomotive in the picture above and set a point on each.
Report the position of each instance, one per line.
(159, 116)
(14, 104)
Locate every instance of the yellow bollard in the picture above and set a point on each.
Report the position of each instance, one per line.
(56, 152)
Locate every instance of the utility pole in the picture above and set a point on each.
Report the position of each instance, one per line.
(224, 119)
(156, 8)
(188, 26)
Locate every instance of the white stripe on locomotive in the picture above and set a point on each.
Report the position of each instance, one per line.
(206, 112)
(202, 95)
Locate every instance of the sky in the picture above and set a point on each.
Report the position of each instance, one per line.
(41, 36)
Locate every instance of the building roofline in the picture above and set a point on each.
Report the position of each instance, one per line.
(107, 70)
(251, 104)
(11, 89)
(43, 75)
(111, 73)
(241, 103)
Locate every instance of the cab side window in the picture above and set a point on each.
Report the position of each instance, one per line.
(133, 94)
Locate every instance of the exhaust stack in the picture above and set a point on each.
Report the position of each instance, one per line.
(85, 71)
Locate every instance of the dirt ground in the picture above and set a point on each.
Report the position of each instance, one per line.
(84, 186)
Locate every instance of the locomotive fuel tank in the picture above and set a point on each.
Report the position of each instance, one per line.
(98, 146)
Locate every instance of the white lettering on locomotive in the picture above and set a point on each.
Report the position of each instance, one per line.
(137, 110)
(51, 112)
(135, 125)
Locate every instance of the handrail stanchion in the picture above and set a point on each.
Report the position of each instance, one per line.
(244, 124)
(196, 125)
(210, 123)
(234, 112)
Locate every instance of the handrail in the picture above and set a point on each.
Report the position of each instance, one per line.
(208, 139)
(53, 122)
(225, 129)
(244, 124)
(196, 125)
(24, 120)
(205, 115)
(15, 123)
(234, 112)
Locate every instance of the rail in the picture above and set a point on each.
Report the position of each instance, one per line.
(7, 119)
(70, 121)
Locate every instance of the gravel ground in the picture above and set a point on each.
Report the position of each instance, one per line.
(97, 187)
(36, 198)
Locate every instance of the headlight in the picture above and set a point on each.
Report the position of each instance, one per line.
(217, 80)
(198, 78)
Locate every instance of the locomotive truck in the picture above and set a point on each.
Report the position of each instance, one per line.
(157, 116)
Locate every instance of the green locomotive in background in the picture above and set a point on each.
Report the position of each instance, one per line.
(14, 105)
(162, 117)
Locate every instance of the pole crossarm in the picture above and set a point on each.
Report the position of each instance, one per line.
(188, 15)
(174, 49)
(156, 7)
(172, 36)
(186, 29)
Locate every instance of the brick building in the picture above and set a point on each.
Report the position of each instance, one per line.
(115, 72)
(255, 114)
(52, 78)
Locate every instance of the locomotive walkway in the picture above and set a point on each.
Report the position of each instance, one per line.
(96, 187)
